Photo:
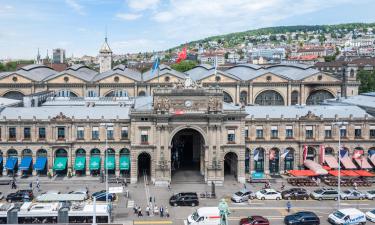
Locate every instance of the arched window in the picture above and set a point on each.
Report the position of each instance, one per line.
(269, 98)
(311, 153)
(317, 97)
(289, 159)
(141, 93)
(352, 73)
(294, 98)
(274, 161)
(124, 151)
(12, 153)
(259, 160)
(110, 152)
(328, 151)
(80, 152)
(41, 153)
(243, 97)
(117, 93)
(61, 153)
(14, 95)
(95, 152)
(27, 152)
(65, 93)
(227, 97)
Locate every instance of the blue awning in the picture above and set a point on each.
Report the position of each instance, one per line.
(26, 163)
(11, 163)
(40, 163)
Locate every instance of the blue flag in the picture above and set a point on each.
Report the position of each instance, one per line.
(155, 66)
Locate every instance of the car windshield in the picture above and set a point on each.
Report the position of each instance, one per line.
(318, 191)
(238, 193)
(263, 191)
(347, 192)
(371, 192)
(195, 216)
(373, 211)
(298, 215)
(338, 214)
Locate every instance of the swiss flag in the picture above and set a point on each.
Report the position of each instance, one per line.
(178, 112)
(304, 152)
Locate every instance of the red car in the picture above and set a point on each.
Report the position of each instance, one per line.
(251, 220)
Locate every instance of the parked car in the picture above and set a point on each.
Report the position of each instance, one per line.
(370, 215)
(82, 191)
(302, 218)
(347, 216)
(352, 195)
(295, 193)
(242, 195)
(101, 196)
(252, 220)
(184, 199)
(325, 194)
(19, 195)
(370, 194)
(269, 194)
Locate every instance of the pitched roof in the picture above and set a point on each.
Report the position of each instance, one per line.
(80, 71)
(35, 72)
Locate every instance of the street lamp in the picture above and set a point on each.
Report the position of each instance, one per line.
(94, 207)
(339, 124)
(106, 125)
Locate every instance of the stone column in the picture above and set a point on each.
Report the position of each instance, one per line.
(237, 94)
(289, 94)
(87, 167)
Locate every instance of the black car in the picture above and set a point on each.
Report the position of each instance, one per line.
(20, 195)
(101, 196)
(302, 218)
(184, 199)
(295, 193)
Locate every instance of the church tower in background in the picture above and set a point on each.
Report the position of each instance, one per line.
(105, 57)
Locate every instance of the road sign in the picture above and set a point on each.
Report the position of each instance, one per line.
(115, 189)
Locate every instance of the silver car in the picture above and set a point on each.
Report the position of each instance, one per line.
(352, 195)
(242, 195)
(370, 194)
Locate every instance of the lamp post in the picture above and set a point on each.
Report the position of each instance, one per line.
(106, 125)
(94, 207)
(339, 124)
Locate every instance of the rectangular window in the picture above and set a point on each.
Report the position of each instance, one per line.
(246, 132)
(274, 132)
(144, 137)
(372, 131)
(124, 133)
(95, 133)
(259, 131)
(26, 133)
(231, 136)
(357, 132)
(80, 133)
(343, 131)
(42, 133)
(328, 132)
(309, 132)
(289, 131)
(61, 133)
(110, 133)
(12, 133)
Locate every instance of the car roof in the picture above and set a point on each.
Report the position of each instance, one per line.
(350, 211)
(259, 218)
(306, 213)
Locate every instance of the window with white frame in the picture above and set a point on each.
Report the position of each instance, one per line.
(343, 131)
(80, 133)
(246, 132)
(110, 133)
(274, 132)
(259, 131)
(289, 131)
(95, 133)
(309, 132)
(124, 133)
(328, 131)
(231, 135)
(372, 131)
(357, 131)
(144, 136)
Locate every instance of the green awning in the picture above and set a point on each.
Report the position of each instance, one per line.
(124, 162)
(60, 163)
(94, 162)
(80, 163)
(111, 163)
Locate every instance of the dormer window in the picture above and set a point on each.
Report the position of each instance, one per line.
(167, 79)
(217, 78)
(320, 77)
(15, 79)
(116, 79)
(268, 78)
(66, 79)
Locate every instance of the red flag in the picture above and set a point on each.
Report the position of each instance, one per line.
(272, 154)
(181, 55)
(322, 154)
(304, 152)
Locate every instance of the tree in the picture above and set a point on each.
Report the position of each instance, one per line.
(184, 65)
(367, 79)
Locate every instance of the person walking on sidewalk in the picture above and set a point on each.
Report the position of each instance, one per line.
(161, 211)
(148, 210)
(288, 206)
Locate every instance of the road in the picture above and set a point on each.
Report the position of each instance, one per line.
(274, 210)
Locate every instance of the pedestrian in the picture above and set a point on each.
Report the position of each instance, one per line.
(151, 199)
(166, 212)
(282, 186)
(355, 186)
(244, 186)
(135, 208)
(154, 199)
(156, 210)
(169, 186)
(161, 211)
(31, 185)
(288, 206)
(139, 212)
(148, 210)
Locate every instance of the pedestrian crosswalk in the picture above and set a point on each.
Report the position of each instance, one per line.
(130, 204)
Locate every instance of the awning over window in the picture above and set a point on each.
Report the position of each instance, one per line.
(26, 163)
(302, 173)
(331, 161)
(109, 163)
(363, 163)
(315, 167)
(94, 162)
(124, 163)
(11, 163)
(364, 173)
(347, 163)
(80, 163)
(60, 163)
(372, 159)
(40, 163)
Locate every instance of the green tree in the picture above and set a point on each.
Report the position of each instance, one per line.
(367, 79)
(184, 65)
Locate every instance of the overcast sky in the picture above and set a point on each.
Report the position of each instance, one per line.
(145, 25)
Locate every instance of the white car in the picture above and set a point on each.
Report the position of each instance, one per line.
(370, 215)
(370, 194)
(269, 194)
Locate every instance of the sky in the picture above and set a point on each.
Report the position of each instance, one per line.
(79, 26)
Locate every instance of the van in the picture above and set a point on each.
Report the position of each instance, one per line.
(205, 216)
(347, 216)
(184, 199)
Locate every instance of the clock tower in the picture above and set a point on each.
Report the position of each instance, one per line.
(105, 57)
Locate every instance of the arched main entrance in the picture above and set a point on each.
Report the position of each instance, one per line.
(230, 164)
(274, 161)
(144, 165)
(187, 154)
(317, 97)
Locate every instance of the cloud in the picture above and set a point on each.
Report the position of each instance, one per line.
(128, 16)
(140, 5)
(78, 8)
